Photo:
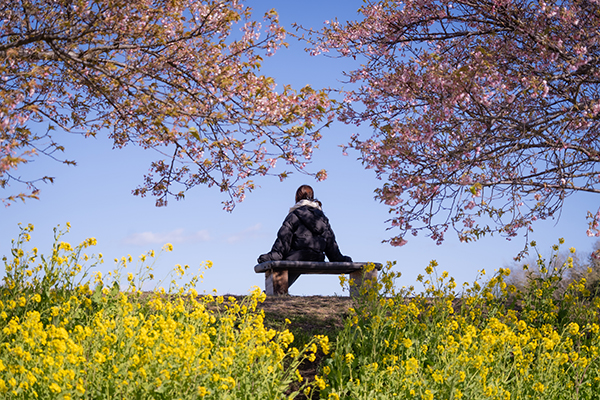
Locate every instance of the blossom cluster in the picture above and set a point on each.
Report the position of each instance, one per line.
(474, 125)
(67, 333)
(182, 76)
(492, 341)
(102, 342)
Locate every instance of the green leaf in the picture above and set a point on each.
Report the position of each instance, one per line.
(97, 296)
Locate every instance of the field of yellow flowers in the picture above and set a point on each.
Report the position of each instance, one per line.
(67, 332)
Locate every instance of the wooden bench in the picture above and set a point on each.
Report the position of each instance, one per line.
(276, 273)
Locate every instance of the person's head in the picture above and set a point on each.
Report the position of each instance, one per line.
(304, 192)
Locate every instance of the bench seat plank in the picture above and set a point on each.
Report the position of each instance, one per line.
(312, 267)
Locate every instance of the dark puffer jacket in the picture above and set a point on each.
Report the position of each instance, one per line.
(305, 236)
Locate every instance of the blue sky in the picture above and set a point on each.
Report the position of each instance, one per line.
(95, 197)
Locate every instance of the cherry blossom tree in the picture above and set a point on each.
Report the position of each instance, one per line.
(177, 76)
(485, 113)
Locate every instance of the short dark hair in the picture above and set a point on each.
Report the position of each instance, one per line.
(305, 192)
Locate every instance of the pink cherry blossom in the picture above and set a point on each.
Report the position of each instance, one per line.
(180, 76)
(483, 113)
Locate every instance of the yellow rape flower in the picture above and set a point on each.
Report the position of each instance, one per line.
(55, 388)
(99, 357)
(573, 328)
(412, 366)
(65, 246)
(320, 382)
(437, 377)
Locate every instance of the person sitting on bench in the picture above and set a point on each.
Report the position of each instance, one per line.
(305, 235)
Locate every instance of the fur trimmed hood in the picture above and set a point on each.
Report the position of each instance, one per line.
(305, 202)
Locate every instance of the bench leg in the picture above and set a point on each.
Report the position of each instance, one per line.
(276, 283)
(359, 277)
